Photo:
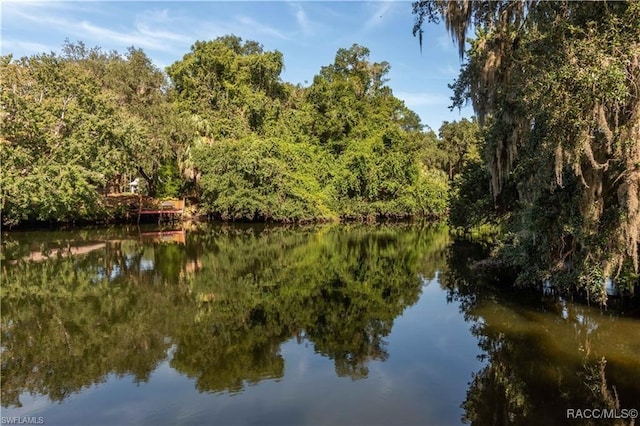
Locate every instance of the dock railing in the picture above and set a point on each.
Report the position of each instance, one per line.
(161, 207)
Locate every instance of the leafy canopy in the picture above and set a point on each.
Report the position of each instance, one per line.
(556, 85)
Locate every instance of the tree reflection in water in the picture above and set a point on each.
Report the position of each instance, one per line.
(542, 357)
(220, 305)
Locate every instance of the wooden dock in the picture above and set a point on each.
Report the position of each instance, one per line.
(139, 205)
(163, 208)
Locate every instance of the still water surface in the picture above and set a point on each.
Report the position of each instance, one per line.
(337, 324)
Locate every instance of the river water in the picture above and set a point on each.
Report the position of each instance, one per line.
(271, 325)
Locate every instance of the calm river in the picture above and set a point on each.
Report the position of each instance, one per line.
(266, 325)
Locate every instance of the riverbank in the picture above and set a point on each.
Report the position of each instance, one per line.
(122, 209)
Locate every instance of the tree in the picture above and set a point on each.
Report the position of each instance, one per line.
(141, 90)
(230, 89)
(559, 81)
(62, 140)
(266, 150)
(459, 141)
(347, 95)
(78, 124)
(263, 180)
(75, 124)
(375, 139)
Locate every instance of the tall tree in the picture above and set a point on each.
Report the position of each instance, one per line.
(559, 81)
(141, 92)
(375, 139)
(230, 88)
(347, 94)
(75, 124)
(62, 139)
(459, 142)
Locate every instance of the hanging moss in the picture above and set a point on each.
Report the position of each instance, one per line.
(557, 85)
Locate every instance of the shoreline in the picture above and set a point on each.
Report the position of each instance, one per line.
(190, 219)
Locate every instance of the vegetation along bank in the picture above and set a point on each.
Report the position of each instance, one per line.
(221, 128)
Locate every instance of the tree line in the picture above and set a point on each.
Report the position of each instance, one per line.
(220, 127)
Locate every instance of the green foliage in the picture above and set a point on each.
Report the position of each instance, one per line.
(61, 140)
(72, 126)
(459, 141)
(49, 192)
(473, 207)
(432, 193)
(262, 179)
(471, 202)
(345, 147)
(457, 153)
(226, 131)
(229, 88)
(556, 85)
(170, 183)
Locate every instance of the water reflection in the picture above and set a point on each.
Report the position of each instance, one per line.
(543, 357)
(77, 307)
(223, 308)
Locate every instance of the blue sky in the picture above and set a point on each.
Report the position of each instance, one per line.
(308, 33)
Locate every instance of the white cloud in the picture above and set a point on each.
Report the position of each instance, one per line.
(312, 20)
(142, 35)
(445, 42)
(25, 5)
(156, 15)
(138, 38)
(248, 23)
(148, 22)
(303, 21)
(418, 99)
(449, 71)
(9, 46)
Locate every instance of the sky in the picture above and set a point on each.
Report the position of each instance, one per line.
(308, 33)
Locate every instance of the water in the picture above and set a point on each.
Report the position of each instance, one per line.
(336, 324)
